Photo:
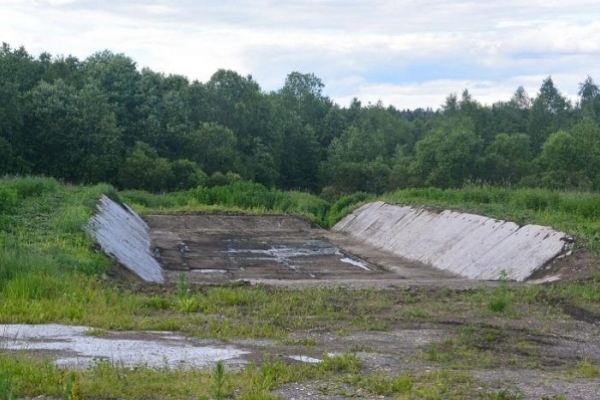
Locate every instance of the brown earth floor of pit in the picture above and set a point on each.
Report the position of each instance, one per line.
(216, 249)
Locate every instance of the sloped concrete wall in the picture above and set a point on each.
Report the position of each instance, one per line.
(469, 245)
(123, 234)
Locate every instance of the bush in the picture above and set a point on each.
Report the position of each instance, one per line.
(147, 200)
(186, 175)
(8, 199)
(31, 186)
(345, 205)
(535, 199)
(221, 179)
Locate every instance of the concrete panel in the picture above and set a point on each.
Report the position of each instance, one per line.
(468, 245)
(124, 235)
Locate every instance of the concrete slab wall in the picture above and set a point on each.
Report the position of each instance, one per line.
(123, 234)
(469, 245)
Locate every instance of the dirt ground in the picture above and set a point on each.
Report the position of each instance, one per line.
(281, 250)
(531, 356)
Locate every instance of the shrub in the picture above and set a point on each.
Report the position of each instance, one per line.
(345, 205)
(8, 199)
(31, 186)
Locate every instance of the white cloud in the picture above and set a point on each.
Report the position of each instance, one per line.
(403, 52)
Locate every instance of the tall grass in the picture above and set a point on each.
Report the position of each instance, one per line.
(345, 205)
(247, 196)
(41, 233)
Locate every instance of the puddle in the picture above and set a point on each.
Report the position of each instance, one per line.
(348, 260)
(214, 249)
(80, 346)
(310, 360)
(306, 359)
(287, 255)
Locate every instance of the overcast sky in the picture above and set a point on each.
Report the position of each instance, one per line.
(407, 53)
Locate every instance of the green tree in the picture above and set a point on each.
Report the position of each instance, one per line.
(213, 146)
(263, 166)
(186, 175)
(165, 113)
(98, 136)
(549, 113)
(481, 116)
(68, 69)
(451, 105)
(144, 169)
(507, 159)
(19, 73)
(401, 176)
(117, 76)
(571, 159)
(238, 103)
(6, 157)
(356, 162)
(448, 156)
(51, 118)
(302, 94)
(589, 98)
(298, 154)
(560, 162)
(510, 117)
(71, 134)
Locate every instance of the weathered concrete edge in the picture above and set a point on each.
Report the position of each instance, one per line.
(123, 235)
(469, 245)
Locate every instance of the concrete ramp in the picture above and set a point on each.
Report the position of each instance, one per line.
(469, 245)
(123, 234)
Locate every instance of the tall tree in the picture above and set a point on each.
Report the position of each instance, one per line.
(589, 98)
(449, 155)
(549, 113)
(98, 137)
(19, 73)
(213, 147)
(303, 95)
(52, 143)
(144, 169)
(507, 159)
(71, 134)
(238, 103)
(117, 76)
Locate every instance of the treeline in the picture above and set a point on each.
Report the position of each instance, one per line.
(103, 120)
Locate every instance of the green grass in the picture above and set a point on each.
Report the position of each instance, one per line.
(442, 384)
(242, 197)
(587, 369)
(50, 272)
(104, 379)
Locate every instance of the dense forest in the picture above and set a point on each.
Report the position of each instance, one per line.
(103, 120)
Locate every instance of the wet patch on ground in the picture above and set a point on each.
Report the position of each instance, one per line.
(216, 249)
(516, 360)
(80, 347)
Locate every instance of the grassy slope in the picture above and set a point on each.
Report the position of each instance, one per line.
(49, 272)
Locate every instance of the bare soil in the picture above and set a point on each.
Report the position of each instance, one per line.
(529, 359)
(280, 250)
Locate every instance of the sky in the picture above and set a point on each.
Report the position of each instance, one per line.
(405, 53)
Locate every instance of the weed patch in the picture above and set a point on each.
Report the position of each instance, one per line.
(586, 369)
